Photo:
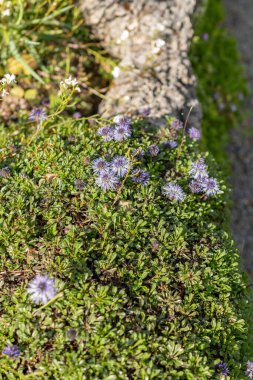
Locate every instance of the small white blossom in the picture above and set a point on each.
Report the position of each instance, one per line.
(69, 82)
(116, 72)
(6, 12)
(158, 45)
(160, 27)
(4, 93)
(8, 79)
(124, 35)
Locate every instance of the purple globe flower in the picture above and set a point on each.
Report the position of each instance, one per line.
(205, 37)
(221, 106)
(120, 166)
(106, 133)
(107, 180)
(170, 144)
(122, 132)
(38, 115)
(77, 115)
(249, 370)
(42, 289)
(173, 191)
(194, 134)
(195, 186)
(99, 165)
(138, 153)
(222, 369)
(233, 108)
(153, 150)
(12, 351)
(210, 187)
(177, 124)
(5, 172)
(123, 121)
(80, 184)
(140, 176)
(198, 169)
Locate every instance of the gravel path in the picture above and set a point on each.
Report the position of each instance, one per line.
(240, 22)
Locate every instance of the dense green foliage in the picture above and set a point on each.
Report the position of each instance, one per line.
(151, 286)
(221, 79)
(43, 42)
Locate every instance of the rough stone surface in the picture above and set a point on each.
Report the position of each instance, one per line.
(150, 38)
(240, 21)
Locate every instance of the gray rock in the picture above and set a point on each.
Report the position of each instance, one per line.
(150, 39)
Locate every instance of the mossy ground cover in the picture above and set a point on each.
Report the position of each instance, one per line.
(221, 79)
(146, 287)
(150, 286)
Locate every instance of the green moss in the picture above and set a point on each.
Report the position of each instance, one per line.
(221, 80)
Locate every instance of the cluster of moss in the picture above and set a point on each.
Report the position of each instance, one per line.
(221, 79)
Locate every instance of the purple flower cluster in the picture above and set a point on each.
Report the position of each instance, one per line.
(106, 133)
(177, 124)
(205, 37)
(42, 289)
(12, 351)
(38, 115)
(119, 132)
(198, 170)
(140, 176)
(138, 153)
(249, 370)
(120, 166)
(170, 144)
(110, 172)
(107, 180)
(153, 150)
(194, 134)
(173, 192)
(201, 182)
(80, 184)
(5, 172)
(100, 165)
(222, 369)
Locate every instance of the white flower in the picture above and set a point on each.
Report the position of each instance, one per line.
(4, 93)
(6, 12)
(158, 45)
(69, 82)
(116, 72)
(124, 35)
(160, 27)
(8, 79)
